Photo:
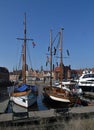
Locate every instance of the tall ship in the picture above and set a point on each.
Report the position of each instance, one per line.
(24, 95)
(58, 94)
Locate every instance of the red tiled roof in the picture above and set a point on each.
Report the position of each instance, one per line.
(57, 69)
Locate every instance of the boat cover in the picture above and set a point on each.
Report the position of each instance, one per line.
(23, 87)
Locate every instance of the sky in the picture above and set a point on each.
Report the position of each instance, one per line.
(75, 16)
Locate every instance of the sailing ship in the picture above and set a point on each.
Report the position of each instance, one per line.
(24, 95)
(54, 93)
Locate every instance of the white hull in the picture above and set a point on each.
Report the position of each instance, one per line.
(86, 87)
(86, 81)
(86, 84)
(24, 101)
(60, 99)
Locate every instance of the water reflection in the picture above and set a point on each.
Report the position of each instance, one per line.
(41, 105)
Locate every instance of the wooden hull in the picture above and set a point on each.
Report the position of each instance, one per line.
(17, 94)
(56, 95)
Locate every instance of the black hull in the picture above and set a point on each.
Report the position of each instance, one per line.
(52, 103)
(87, 88)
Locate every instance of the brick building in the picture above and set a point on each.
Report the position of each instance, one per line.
(66, 72)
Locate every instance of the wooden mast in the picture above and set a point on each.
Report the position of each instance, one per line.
(51, 58)
(24, 52)
(61, 56)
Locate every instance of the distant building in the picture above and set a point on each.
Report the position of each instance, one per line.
(15, 75)
(31, 74)
(66, 72)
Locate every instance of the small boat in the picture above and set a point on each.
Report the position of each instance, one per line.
(24, 95)
(56, 94)
(59, 94)
(86, 81)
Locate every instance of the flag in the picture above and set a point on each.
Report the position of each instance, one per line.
(57, 63)
(68, 52)
(34, 44)
(46, 63)
(54, 51)
(48, 48)
(47, 60)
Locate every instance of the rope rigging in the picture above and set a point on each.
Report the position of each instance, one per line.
(55, 51)
(29, 56)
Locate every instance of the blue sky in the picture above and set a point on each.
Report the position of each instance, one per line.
(75, 16)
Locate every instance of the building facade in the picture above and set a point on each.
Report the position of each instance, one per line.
(66, 73)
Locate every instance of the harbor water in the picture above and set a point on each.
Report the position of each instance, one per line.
(40, 105)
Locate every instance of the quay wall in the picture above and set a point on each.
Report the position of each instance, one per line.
(75, 112)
